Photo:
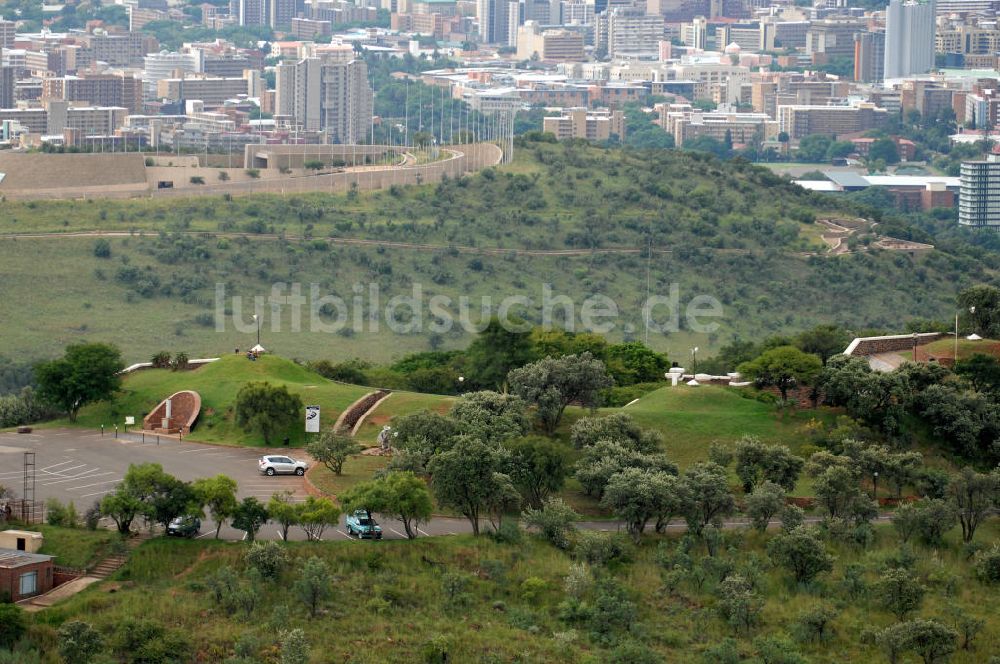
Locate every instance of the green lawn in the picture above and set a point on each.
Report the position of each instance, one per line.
(399, 403)
(218, 384)
(966, 349)
(358, 468)
(76, 547)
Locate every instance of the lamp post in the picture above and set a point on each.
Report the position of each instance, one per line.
(916, 336)
(257, 320)
(875, 486)
(972, 310)
(694, 358)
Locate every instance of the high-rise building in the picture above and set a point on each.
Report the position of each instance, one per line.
(498, 21)
(7, 87)
(7, 29)
(251, 12)
(630, 33)
(979, 194)
(326, 94)
(909, 38)
(869, 57)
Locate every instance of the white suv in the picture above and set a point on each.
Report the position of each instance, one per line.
(275, 464)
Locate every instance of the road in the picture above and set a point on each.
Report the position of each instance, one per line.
(82, 466)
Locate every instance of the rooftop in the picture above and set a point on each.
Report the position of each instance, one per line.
(11, 558)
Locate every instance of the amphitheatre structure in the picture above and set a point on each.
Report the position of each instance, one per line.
(263, 168)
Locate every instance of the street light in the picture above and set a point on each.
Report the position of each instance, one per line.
(875, 485)
(915, 337)
(694, 357)
(972, 310)
(257, 320)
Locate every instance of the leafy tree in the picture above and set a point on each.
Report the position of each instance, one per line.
(764, 503)
(707, 498)
(12, 625)
(294, 647)
(266, 409)
(898, 592)
(757, 462)
(122, 507)
(973, 494)
(332, 449)
(838, 492)
(601, 461)
(250, 515)
(875, 398)
(218, 494)
(987, 564)
(815, 624)
(638, 495)
(495, 352)
(491, 416)
(79, 642)
(884, 149)
(313, 584)
(86, 373)
(986, 300)
(739, 602)
(281, 509)
(102, 248)
(469, 478)
(823, 341)
(315, 515)
(932, 641)
(267, 558)
(783, 367)
(802, 553)
(982, 371)
(400, 494)
(617, 427)
(633, 362)
(551, 384)
(554, 519)
(146, 490)
(539, 468)
(425, 430)
(813, 148)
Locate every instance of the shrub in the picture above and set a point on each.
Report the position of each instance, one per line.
(598, 548)
(197, 179)
(554, 520)
(435, 650)
(633, 652)
(12, 624)
(987, 564)
(102, 248)
(614, 611)
(252, 173)
(802, 553)
(79, 642)
(55, 512)
(739, 603)
(268, 558)
(161, 360)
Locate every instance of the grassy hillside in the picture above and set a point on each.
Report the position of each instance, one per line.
(218, 383)
(480, 601)
(731, 231)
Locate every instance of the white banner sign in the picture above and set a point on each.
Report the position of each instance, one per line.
(312, 419)
(129, 419)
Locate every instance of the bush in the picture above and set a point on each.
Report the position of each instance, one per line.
(12, 625)
(161, 360)
(252, 173)
(598, 548)
(102, 248)
(268, 558)
(554, 521)
(55, 512)
(197, 179)
(633, 652)
(987, 564)
(435, 651)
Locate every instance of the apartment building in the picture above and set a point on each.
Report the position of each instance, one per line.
(832, 38)
(869, 57)
(596, 125)
(629, 33)
(929, 97)
(979, 194)
(7, 87)
(685, 124)
(211, 90)
(7, 30)
(96, 90)
(326, 94)
(307, 28)
(909, 38)
(554, 45)
(799, 121)
(720, 82)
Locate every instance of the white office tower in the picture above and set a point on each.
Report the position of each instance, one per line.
(979, 196)
(326, 94)
(167, 64)
(495, 19)
(909, 38)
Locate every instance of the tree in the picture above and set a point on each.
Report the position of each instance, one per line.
(102, 248)
(599, 462)
(294, 647)
(250, 515)
(122, 507)
(986, 300)
(218, 494)
(838, 492)
(884, 149)
(266, 409)
(425, 430)
(281, 509)
(763, 504)
(555, 521)
(638, 495)
(313, 584)
(823, 341)
(931, 640)
(802, 553)
(79, 642)
(706, 496)
(982, 371)
(12, 625)
(813, 148)
(148, 491)
(468, 478)
(553, 383)
(633, 362)
(617, 427)
(973, 494)
(739, 602)
(491, 417)
(402, 495)
(539, 468)
(495, 352)
(898, 592)
(757, 462)
(783, 367)
(86, 373)
(315, 515)
(332, 449)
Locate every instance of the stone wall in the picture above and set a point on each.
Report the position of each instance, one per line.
(184, 409)
(865, 346)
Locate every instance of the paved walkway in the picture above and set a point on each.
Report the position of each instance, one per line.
(58, 594)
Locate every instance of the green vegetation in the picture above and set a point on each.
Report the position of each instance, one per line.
(727, 225)
(78, 548)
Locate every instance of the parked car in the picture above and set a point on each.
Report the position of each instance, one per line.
(276, 464)
(361, 525)
(184, 526)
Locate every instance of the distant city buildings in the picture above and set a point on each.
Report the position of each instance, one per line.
(593, 125)
(329, 93)
(979, 196)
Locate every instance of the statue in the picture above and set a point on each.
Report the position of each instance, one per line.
(384, 438)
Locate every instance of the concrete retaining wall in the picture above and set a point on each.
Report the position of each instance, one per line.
(864, 346)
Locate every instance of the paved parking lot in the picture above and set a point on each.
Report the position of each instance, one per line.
(82, 466)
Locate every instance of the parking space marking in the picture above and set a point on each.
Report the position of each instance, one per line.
(55, 465)
(422, 532)
(82, 476)
(197, 449)
(87, 486)
(211, 532)
(343, 533)
(97, 493)
(395, 531)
